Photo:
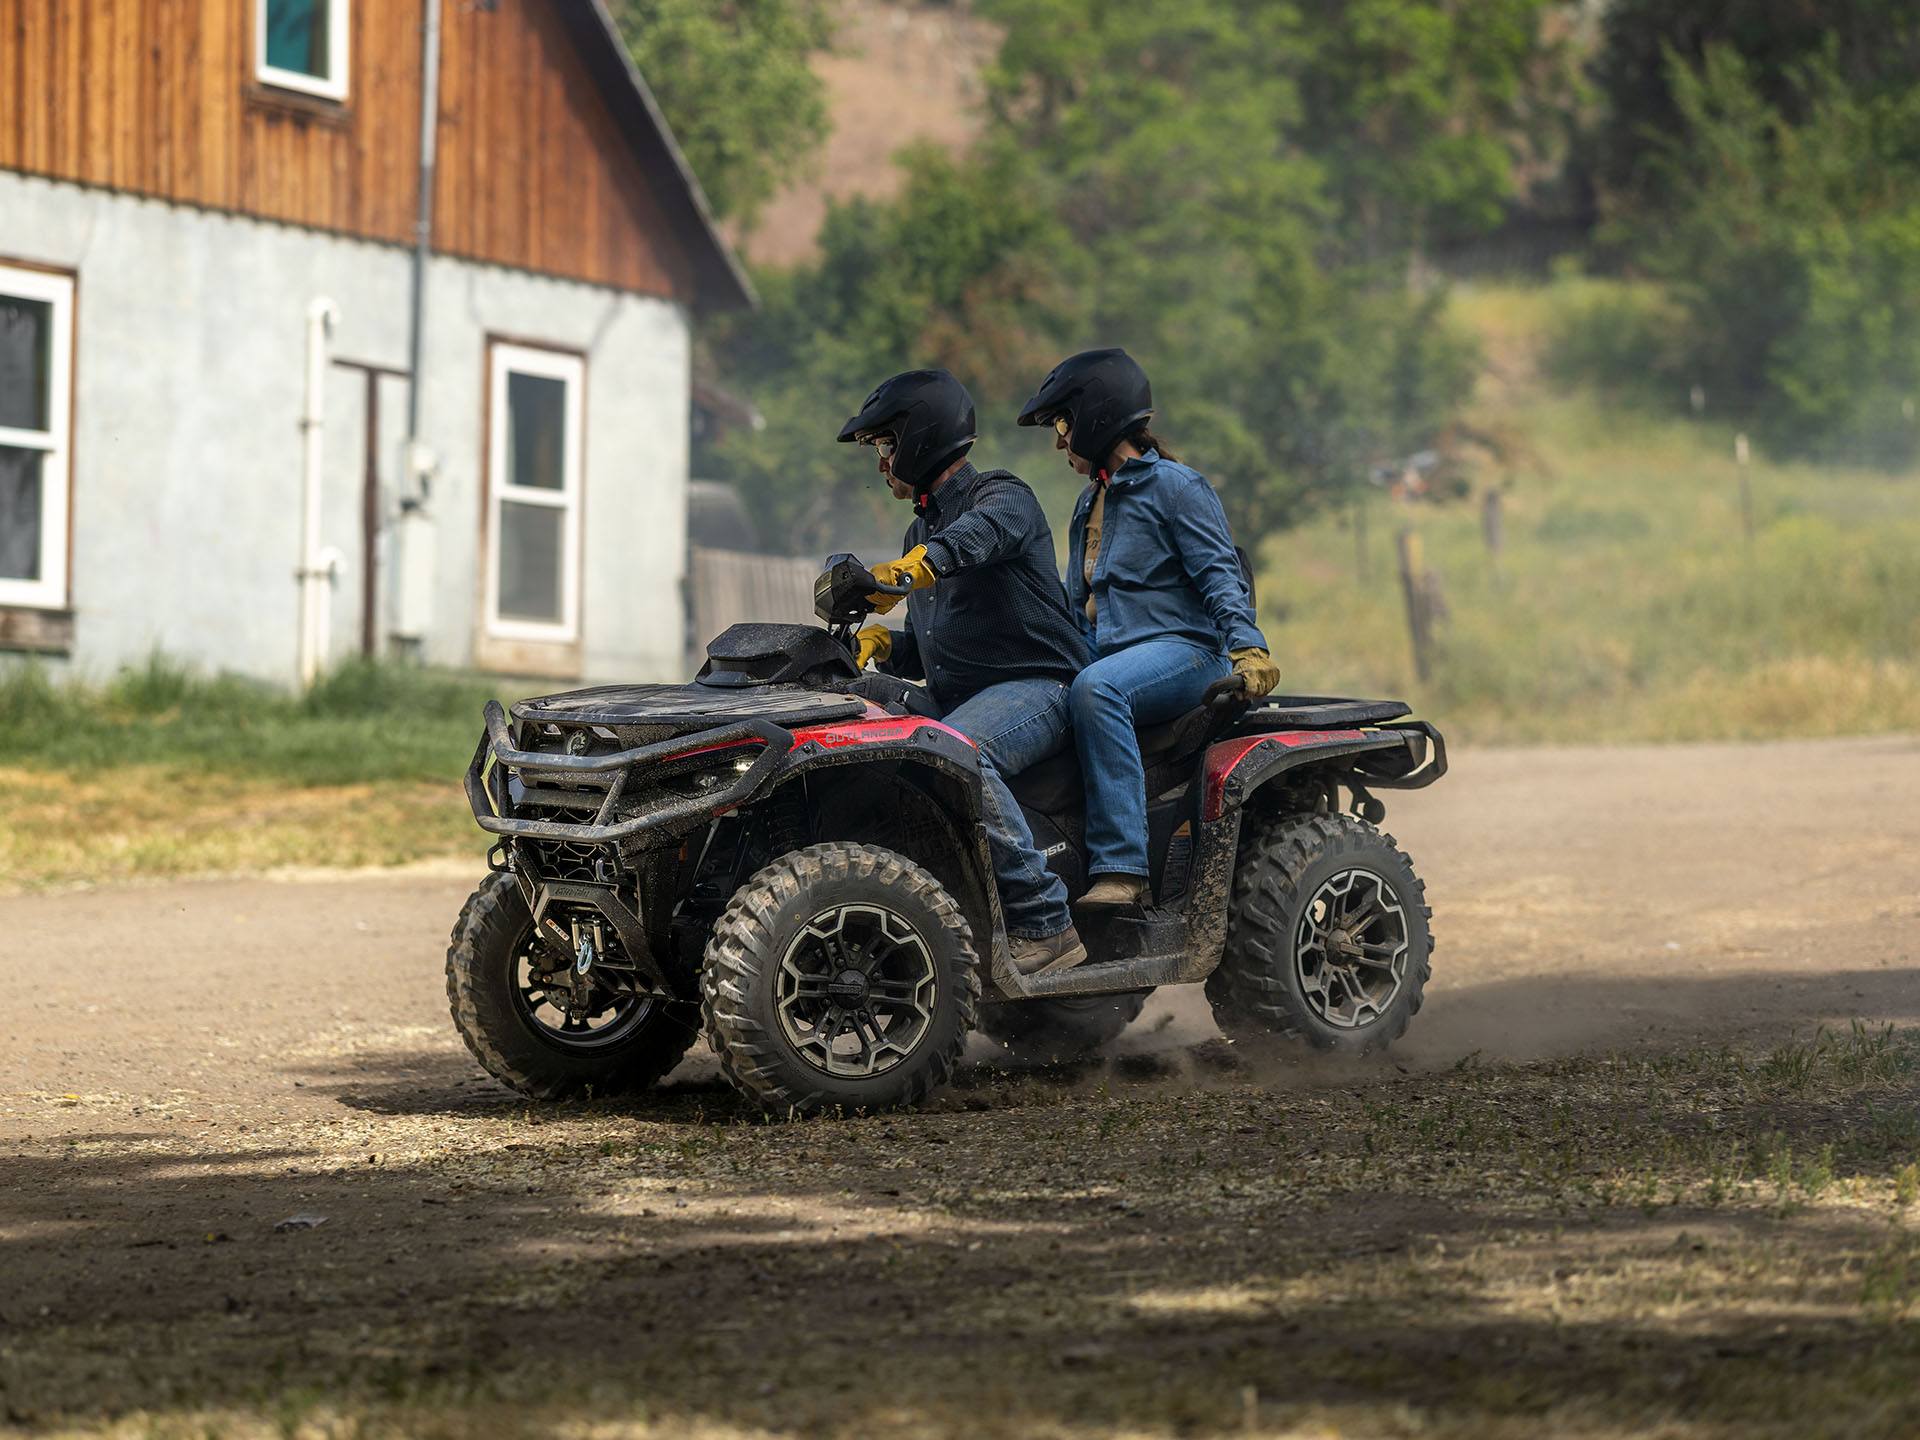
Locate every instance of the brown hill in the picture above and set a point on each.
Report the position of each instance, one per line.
(899, 72)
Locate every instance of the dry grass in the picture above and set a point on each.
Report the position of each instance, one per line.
(138, 822)
(1627, 603)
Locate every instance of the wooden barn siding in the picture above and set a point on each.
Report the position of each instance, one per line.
(158, 97)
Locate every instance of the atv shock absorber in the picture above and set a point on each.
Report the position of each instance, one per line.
(786, 819)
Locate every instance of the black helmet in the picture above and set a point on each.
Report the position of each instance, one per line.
(930, 416)
(1104, 396)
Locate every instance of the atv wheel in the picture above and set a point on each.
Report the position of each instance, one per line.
(840, 975)
(520, 1026)
(1064, 1027)
(1327, 937)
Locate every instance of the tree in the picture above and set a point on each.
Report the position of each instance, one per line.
(734, 83)
(1872, 46)
(1188, 156)
(962, 270)
(1793, 250)
(1417, 111)
(1186, 178)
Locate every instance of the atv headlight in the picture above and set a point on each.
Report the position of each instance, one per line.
(703, 774)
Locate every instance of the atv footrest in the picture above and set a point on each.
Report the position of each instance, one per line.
(1133, 932)
(1111, 977)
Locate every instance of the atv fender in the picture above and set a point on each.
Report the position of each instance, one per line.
(949, 770)
(1405, 756)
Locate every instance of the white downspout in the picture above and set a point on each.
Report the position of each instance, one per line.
(315, 574)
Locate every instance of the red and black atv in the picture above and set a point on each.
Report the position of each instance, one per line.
(798, 870)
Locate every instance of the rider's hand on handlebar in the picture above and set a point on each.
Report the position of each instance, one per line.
(910, 569)
(1253, 665)
(874, 642)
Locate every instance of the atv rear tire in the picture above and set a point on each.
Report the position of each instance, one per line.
(1061, 1028)
(833, 944)
(1293, 969)
(483, 987)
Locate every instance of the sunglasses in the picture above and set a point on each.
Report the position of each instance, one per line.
(885, 444)
(1062, 426)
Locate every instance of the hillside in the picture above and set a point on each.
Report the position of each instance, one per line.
(897, 73)
(1626, 603)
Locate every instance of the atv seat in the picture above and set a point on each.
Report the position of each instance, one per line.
(1169, 750)
(1053, 786)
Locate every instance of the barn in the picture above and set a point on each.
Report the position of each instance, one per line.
(331, 327)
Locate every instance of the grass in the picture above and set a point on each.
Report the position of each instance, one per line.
(164, 772)
(362, 722)
(144, 822)
(1626, 602)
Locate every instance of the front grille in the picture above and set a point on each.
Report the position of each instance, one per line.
(566, 860)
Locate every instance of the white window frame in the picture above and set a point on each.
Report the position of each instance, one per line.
(339, 40)
(503, 359)
(55, 443)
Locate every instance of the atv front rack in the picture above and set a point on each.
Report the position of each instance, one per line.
(496, 758)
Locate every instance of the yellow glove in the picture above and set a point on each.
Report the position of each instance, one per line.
(875, 642)
(910, 569)
(1256, 667)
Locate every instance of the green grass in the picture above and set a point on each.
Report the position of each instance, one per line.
(361, 722)
(1627, 603)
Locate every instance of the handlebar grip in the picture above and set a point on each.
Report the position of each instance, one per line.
(1224, 691)
(879, 589)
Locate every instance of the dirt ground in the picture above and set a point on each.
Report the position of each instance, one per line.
(1610, 1183)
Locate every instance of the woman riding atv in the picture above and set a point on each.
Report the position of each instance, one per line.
(1154, 582)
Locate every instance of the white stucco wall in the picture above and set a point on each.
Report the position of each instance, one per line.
(189, 347)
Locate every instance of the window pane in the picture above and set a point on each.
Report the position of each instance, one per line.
(530, 537)
(26, 338)
(20, 513)
(536, 431)
(297, 36)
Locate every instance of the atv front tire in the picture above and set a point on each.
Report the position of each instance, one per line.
(1327, 937)
(1062, 1027)
(487, 991)
(840, 976)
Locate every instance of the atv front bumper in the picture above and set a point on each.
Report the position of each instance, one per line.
(570, 782)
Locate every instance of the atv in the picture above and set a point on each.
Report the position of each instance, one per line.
(788, 856)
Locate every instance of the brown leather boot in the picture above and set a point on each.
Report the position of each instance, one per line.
(1115, 890)
(1036, 955)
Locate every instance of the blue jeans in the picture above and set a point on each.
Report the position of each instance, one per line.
(1143, 684)
(1015, 724)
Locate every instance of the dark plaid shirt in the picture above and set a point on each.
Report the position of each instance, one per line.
(997, 610)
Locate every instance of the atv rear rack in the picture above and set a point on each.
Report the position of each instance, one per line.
(496, 757)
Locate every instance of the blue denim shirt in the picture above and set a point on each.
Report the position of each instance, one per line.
(995, 610)
(1166, 568)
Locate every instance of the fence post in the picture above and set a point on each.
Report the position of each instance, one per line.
(1493, 529)
(1741, 456)
(1414, 590)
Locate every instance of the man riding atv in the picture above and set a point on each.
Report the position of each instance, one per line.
(988, 631)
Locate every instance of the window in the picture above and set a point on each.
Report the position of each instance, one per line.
(533, 508)
(302, 45)
(36, 422)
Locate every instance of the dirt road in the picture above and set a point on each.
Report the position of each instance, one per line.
(183, 1066)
